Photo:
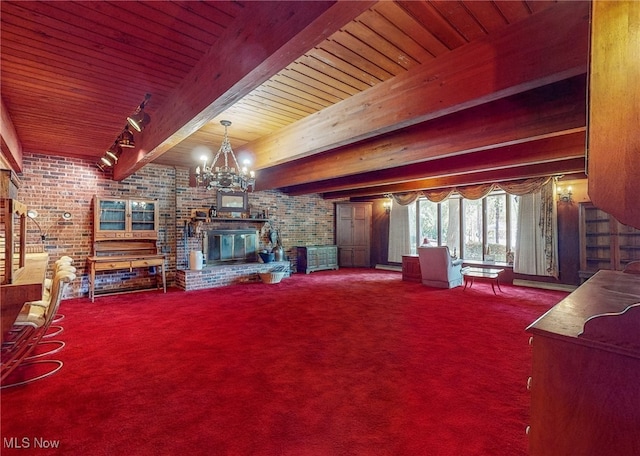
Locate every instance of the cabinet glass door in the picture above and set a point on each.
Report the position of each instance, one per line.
(113, 215)
(143, 215)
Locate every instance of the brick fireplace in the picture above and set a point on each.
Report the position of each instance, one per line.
(231, 256)
(225, 274)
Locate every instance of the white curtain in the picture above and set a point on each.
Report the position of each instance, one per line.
(536, 250)
(399, 236)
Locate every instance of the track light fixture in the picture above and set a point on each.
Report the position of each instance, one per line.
(138, 120)
(112, 156)
(126, 138)
(105, 161)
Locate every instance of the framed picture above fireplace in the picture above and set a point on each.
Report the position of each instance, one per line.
(232, 201)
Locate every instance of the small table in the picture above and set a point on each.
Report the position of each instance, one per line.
(490, 275)
(115, 262)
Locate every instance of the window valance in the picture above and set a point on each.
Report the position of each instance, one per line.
(515, 187)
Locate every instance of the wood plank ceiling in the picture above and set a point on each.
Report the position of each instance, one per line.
(343, 99)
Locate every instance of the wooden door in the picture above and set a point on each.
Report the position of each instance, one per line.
(353, 234)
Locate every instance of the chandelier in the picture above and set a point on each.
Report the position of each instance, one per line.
(221, 176)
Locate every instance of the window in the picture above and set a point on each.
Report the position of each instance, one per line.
(472, 238)
(428, 222)
(513, 220)
(450, 224)
(412, 224)
(472, 229)
(496, 226)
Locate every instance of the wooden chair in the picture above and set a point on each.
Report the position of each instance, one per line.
(30, 327)
(65, 263)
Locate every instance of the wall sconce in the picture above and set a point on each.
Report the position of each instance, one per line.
(33, 215)
(387, 205)
(564, 194)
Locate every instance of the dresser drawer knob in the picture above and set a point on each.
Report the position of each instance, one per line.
(527, 430)
(529, 384)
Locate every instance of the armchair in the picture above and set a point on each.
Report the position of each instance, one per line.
(438, 269)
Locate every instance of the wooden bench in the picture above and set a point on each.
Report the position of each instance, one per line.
(112, 255)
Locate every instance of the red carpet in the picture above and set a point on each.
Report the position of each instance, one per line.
(353, 362)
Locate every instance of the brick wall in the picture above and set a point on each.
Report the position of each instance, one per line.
(54, 185)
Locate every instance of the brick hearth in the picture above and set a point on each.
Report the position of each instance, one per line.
(227, 274)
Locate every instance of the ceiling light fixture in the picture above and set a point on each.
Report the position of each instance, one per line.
(221, 176)
(139, 118)
(125, 140)
(112, 156)
(105, 161)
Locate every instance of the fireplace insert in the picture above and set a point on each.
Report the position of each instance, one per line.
(222, 246)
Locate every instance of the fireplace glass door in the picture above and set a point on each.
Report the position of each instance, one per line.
(230, 245)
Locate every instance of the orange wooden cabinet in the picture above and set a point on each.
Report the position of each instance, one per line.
(586, 371)
(614, 109)
(125, 236)
(125, 219)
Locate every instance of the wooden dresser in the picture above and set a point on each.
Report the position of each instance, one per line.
(585, 383)
(125, 237)
(316, 258)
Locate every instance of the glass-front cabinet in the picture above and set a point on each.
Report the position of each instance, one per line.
(125, 218)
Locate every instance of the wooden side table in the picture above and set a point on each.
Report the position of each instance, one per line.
(411, 268)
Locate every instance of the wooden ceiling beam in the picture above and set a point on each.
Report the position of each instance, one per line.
(260, 42)
(567, 166)
(549, 111)
(510, 61)
(550, 150)
(13, 149)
